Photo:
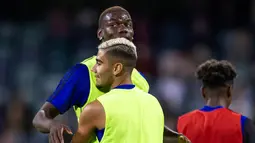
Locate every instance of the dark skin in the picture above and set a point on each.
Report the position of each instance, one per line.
(220, 96)
(114, 23)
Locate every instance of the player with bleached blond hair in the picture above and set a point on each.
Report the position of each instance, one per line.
(125, 114)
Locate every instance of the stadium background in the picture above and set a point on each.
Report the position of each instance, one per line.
(40, 40)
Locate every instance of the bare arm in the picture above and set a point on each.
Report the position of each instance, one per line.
(170, 133)
(174, 135)
(92, 118)
(44, 117)
(249, 131)
(73, 89)
(45, 123)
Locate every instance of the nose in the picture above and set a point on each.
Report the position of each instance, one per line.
(122, 28)
(94, 68)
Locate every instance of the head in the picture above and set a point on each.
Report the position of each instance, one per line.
(217, 78)
(115, 22)
(115, 62)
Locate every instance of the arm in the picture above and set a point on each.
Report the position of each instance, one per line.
(170, 133)
(67, 94)
(44, 117)
(92, 118)
(249, 131)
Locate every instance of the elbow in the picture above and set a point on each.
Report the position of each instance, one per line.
(35, 121)
(39, 123)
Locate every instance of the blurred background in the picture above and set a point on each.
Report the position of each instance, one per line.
(40, 40)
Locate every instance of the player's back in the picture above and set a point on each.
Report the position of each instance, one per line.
(212, 125)
(132, 116)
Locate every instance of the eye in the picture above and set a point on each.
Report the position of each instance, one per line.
(98, 63)
(114, 25)
(129, 24)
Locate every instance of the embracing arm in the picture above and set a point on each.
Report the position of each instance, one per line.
(73, 89)
(44, 117)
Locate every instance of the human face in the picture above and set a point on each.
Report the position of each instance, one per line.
(116, 24)
(103, 70)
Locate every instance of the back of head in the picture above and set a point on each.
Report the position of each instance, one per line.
(121, 50)
(214, 74)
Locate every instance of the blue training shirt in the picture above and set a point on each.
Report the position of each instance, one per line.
(72, 90)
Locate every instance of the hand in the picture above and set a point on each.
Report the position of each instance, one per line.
(56, 132)
(183, 139)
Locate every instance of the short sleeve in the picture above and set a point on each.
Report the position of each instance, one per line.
(73, 89)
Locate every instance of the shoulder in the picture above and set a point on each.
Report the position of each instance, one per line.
(188, 115)
(77, 68)
(89, 61)
(185, 120)
(108, 96)
(143, 93)
(93, 110)
(148, 95)
(75, 73)
(92, 116)
(137, 75)
(231, 112)
(93, 106)
(139, 80)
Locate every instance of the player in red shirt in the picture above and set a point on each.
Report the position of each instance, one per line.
(215, 123)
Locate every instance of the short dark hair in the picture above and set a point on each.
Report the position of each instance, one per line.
(113, 8)
(214, 73)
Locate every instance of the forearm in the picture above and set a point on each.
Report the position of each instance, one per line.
(79, 138)
(170, 133)
(249, 131)
(41, 122)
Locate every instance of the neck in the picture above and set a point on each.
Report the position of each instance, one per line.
(125, 79)
(217, 101)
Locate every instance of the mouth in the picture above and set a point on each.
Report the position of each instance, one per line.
(124, 32)
(125, 35)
